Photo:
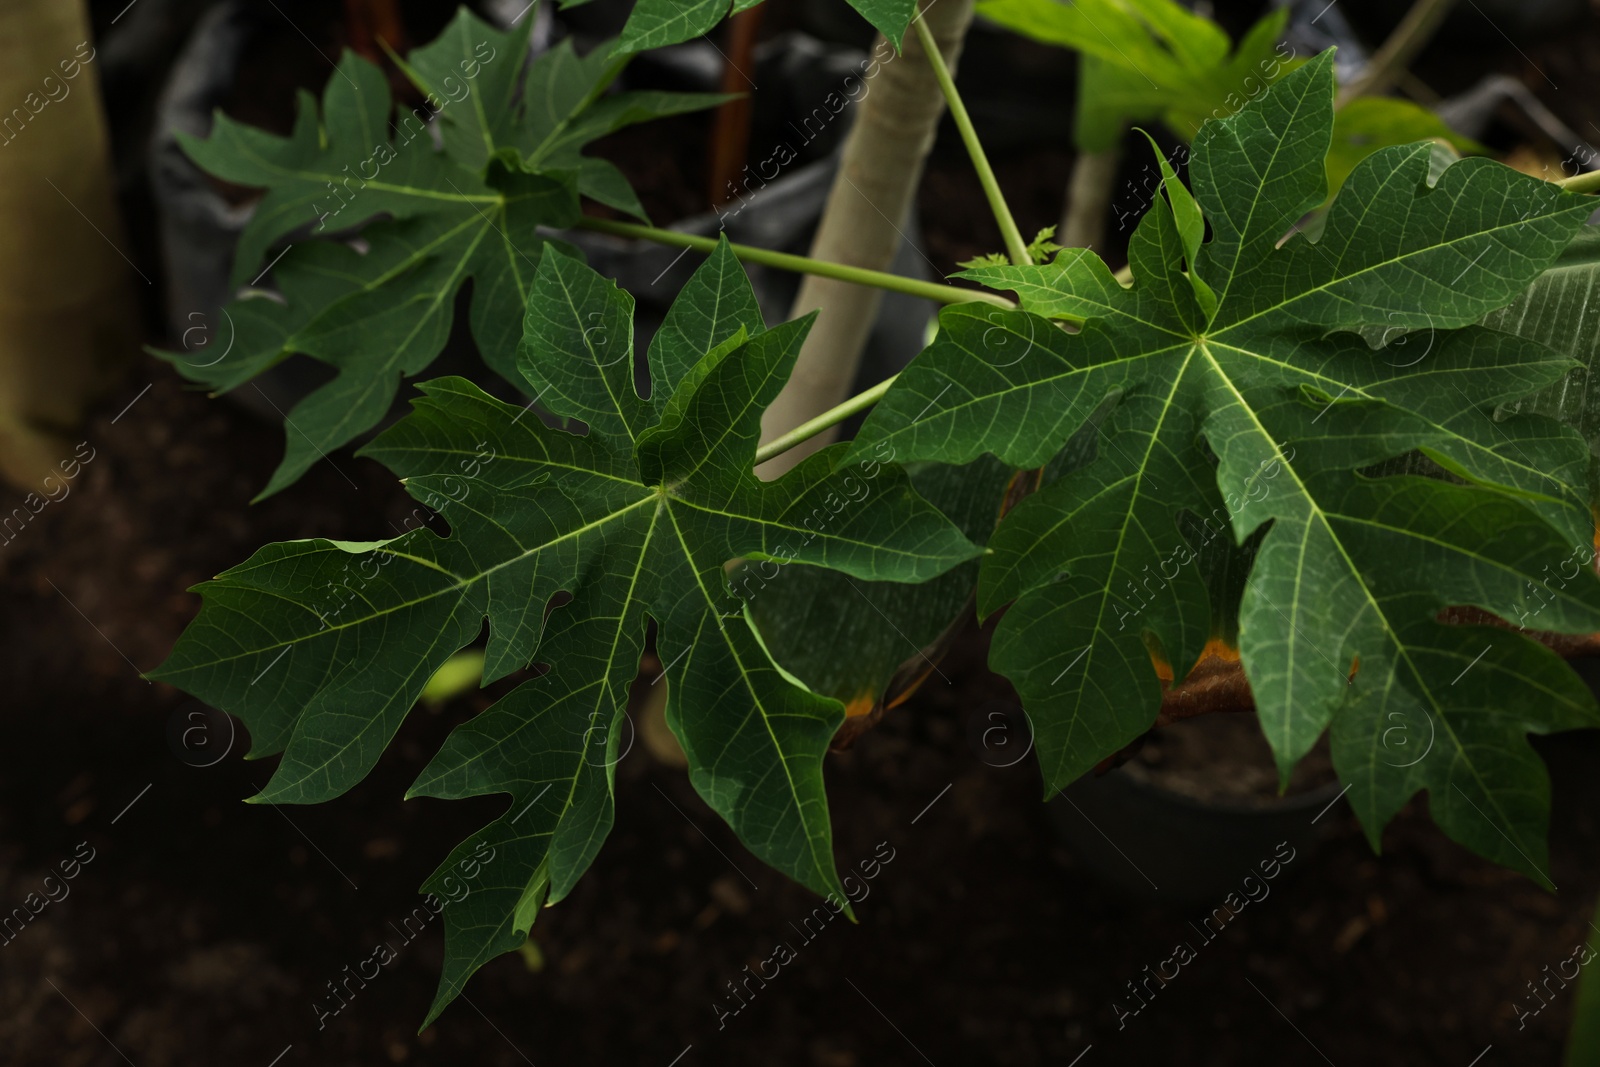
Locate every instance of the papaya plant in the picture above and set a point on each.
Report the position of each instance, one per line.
(511, 162)
(1242, 396)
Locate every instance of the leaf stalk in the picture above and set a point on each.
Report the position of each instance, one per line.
(1588, 182)
(936, 291)
(827, 420)
(1016, 247)
(1390, 61)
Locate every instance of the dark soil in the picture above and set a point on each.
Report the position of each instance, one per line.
(203, 930)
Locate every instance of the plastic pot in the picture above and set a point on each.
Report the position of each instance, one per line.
(1164, 847)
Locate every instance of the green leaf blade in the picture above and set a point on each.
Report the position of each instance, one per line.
(474, 209)
(577, 347)
(717, 301)
(536, 511)
(1269, 421)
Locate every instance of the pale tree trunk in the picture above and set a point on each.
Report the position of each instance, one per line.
(1089, 193)
(67, 317)
(868, 206)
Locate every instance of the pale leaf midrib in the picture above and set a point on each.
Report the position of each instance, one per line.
(1401, 649)
(821, 865)
(462, 582)
(1105, 592)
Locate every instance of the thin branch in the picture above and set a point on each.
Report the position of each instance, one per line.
(1390, 61)
(937, 291)
(1588, 182)
(827, 420)
(1016, 247)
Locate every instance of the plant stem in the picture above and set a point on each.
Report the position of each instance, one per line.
(938, 291)
(865, 224)
(1016, 247)
(827, 420)
(1588, 182)
(1089, 191)
(1390, 61)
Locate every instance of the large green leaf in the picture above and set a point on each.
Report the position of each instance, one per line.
(510, 163)
(1148, 59)
(321, 647)
(1171, 45)
(1248, 401)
